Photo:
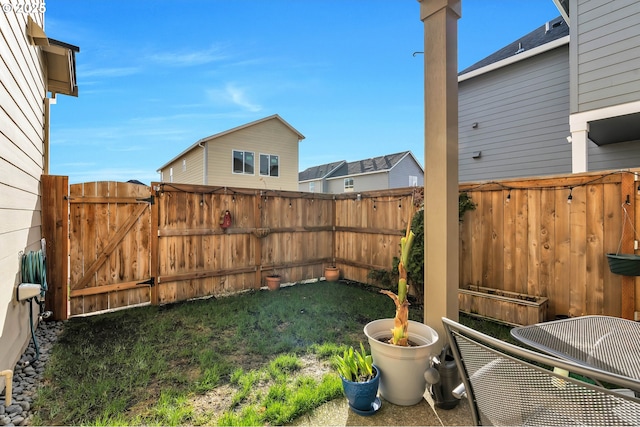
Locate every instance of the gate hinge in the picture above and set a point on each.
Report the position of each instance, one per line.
(151, 282)
(150, 199)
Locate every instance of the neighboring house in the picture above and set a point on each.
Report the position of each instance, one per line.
(563, 98)
(379, 173)
(261, 154)
(32, 65)
(314, 179)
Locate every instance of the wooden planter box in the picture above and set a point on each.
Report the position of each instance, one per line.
(503, 306)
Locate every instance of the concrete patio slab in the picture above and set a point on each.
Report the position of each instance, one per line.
(337, 413)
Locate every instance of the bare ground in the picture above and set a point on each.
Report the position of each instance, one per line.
(217, 401)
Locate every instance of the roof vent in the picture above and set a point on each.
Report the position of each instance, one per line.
(520, 49)
(549, 26)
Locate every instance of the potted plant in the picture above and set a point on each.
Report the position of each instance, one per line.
(331, 273)
(273, 281)
(360, 379)
(401, 348)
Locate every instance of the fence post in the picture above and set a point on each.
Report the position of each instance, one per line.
(55, 231)
(627, 194)
(154, 264)
(257, 215)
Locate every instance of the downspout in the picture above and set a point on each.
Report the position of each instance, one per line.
(47, 134)
(204, 163)
(8, 382)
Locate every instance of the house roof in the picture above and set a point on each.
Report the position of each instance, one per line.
(551, 31)
(375, 164)
(319, 172)
(358, 167)
(60, 60)
(226, 132)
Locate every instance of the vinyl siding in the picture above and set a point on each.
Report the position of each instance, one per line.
(614, 156)
(22, 93)
(606, 53)
(306, 186)
(365, 182)
(270, 137)
(522, 111)
(399, 174)
(193, 173)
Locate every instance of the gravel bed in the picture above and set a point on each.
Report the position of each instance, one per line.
(26, 379)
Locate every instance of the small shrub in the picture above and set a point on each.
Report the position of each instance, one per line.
(415, 267)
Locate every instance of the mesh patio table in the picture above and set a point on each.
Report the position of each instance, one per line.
(607, 343)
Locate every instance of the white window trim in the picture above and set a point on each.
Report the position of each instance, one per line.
(260, 159)
(243, 153)
(350, 188)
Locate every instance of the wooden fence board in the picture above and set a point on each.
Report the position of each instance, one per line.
(89, 303)
(612, 232)
(509, 251)
(533, 241)
(546, 242)
(559, 293)
(496, 270)
(578, 219)
(595, 249)
(521, 250)
(628, 200)
(55, 230)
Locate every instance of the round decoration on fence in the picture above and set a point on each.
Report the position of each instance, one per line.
(225, 219)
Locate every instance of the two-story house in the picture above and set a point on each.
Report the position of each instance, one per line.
(260, 154)
(390, 171)
(32, 67)
(563, 98)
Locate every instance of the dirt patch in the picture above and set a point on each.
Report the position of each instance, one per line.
(217, 401)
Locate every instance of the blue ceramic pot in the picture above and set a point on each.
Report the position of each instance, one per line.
(362, 395)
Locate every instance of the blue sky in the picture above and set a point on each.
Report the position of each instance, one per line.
(156, 76)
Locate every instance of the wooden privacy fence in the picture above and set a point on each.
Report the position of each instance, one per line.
(127, 244)
(525, 237)
(131, 244)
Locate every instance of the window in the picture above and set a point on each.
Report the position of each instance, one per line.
(243, 162)
(184, 165)
(348, 184)
(269, 165)
(170, 174)
(312, 187)
(413, 181)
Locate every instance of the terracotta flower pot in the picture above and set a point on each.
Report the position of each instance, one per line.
(273, 283)
(331, 274)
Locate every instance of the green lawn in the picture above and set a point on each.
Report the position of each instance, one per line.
(260, 357)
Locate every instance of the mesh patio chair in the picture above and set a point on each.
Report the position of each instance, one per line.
(510, 385)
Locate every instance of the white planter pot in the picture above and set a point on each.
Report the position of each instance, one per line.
(401, 368)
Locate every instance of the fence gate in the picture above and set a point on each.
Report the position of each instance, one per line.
(109, 246)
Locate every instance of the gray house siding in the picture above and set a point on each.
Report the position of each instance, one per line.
(319, 186)
(400, 173)
(614, 156)
(366, 182)
(605, 53)
(522, 116)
